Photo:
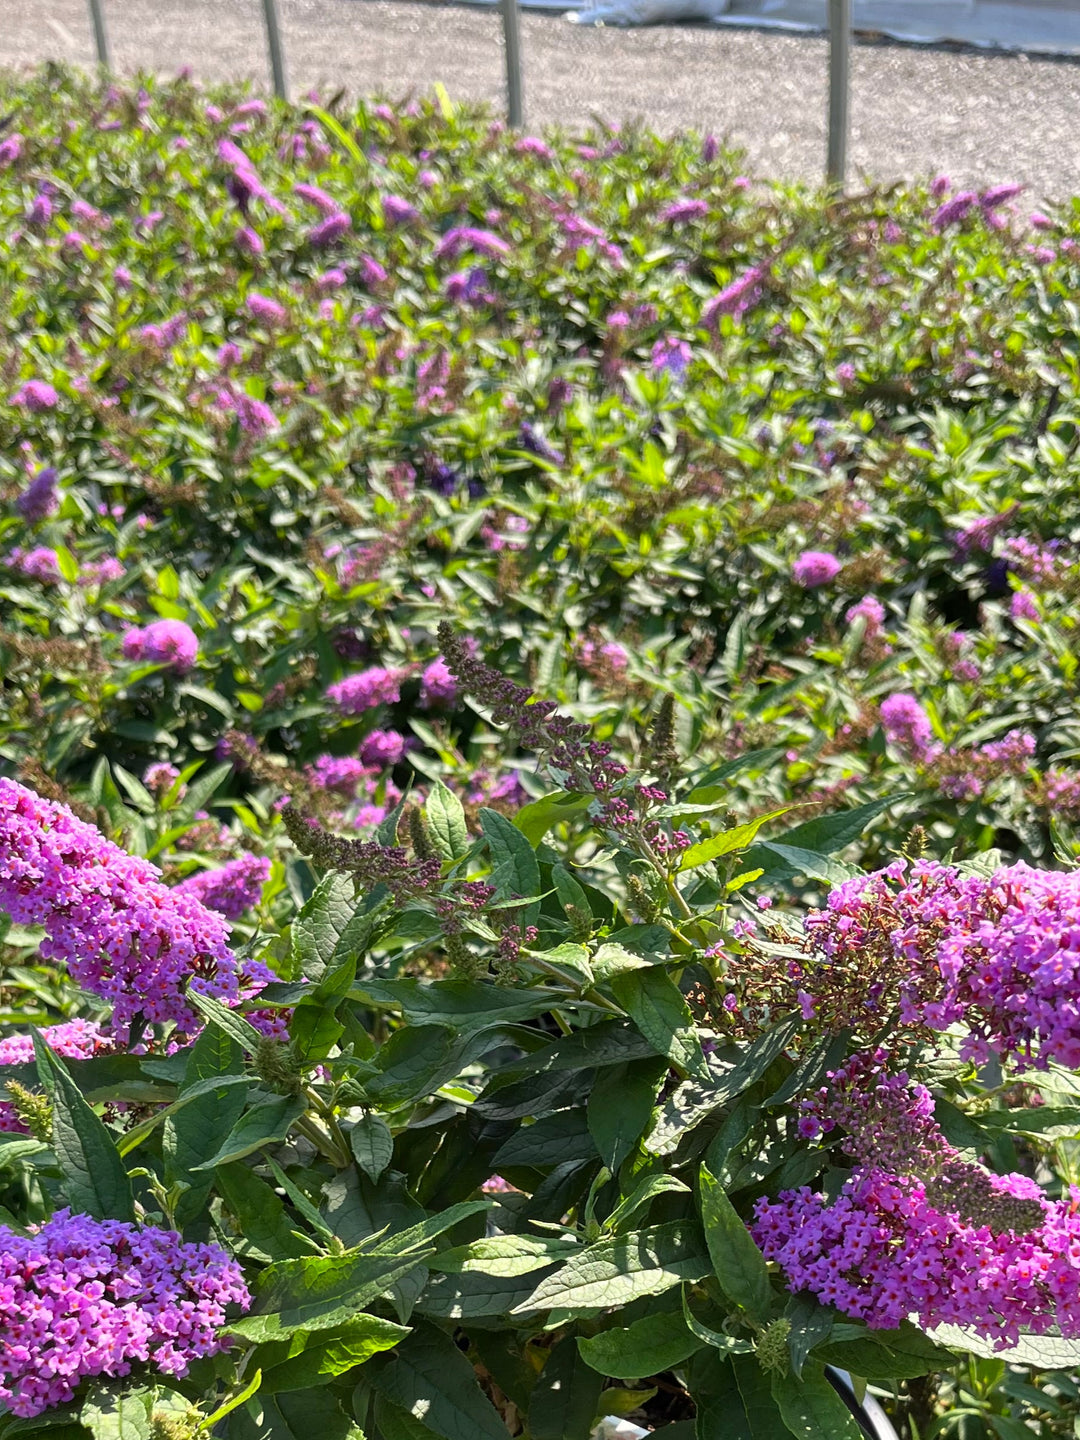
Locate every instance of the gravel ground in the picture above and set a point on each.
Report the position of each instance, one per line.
(979, 117)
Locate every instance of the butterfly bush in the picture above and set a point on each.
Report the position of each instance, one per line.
(82, 1298)
(121, 933)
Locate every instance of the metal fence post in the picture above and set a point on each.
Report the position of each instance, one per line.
(101, 35)
(277, 49)
(839, 89)
(515, 106)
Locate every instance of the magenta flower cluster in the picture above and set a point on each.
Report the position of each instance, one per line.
(232, 889)
(881, 1252)
(163, 642)
(108, 917)
(81, 1297)
(814, 568)
(998, 955)
(366, 689)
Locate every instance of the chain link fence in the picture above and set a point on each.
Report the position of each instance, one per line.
(840, 31)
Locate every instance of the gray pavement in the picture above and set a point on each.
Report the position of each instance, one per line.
(979, 117)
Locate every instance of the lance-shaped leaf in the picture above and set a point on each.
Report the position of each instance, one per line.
(738, 1264)
(618, 1270)
(656, 1006)
(92, 1173)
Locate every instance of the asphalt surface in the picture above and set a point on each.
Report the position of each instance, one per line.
(979, 117)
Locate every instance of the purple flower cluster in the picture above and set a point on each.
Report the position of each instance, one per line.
(38, 501)
(82, 1297)
(437, 685)
(107, 916)
(36, 396)
(680, 211)
(814, 568)
(738, 297)
(160, 777)
(74, 1040)
(365, 690)
(871, 612)
(163, 642)
(266, 310)
(340, 773)
(908, 726)
(38, 563)
(1060, 793)
(999, 956)
(382, 748)
(672, 355)
(465, 237)
(230, 890)
(882, 1252)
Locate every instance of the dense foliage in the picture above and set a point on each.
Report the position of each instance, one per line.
(462, 1037)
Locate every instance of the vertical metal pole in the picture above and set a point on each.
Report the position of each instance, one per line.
(101, 35)
(515, 105)
(277, 48)
(839, 89)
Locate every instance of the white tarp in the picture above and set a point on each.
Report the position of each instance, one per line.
(1040, 26)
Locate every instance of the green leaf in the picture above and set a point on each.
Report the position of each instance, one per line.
(811, 1408)
(536, 819)
(473, 1296)
(738, 1264)
(241, 1030)
(645, 1190)
(118, 1414)
(656, 1006)
(515, 871)
(261, 1218)
(430, 1379)
(505, 1256)
(446, 822)
(312, 1357)
(727, 842)
(564, 1399)
(318, 929)
(92, 1173)
(372, 1144)
(715, 1339)
(711, 787)
(397, 1424)
(759, 1405)
(319, 1292)
(620, 1106)
(314, 1030)
(460, 1005)
(647, 1347)
(811, 1323)
(694, 1102)
(211, 1101)
(293, 1416)
(830, 833)
(553, 1140)
(901, 1354)
(267, 1123)
(569, 891)
(721, 1414)
(618, 1270)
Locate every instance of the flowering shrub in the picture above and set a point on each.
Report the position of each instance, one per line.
(560, 1074)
